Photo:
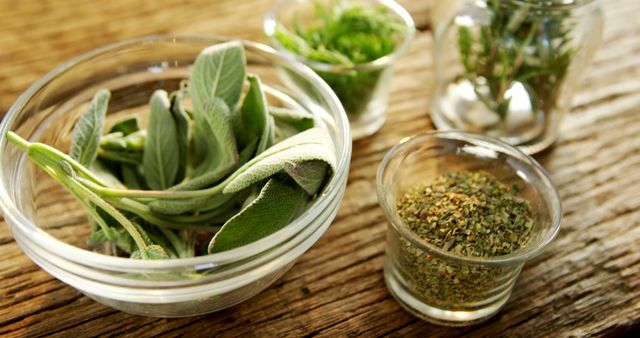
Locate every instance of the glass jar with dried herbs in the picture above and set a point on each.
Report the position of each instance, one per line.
(465, 213)
(508, 68)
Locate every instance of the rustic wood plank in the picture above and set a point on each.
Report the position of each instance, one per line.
(586, 284)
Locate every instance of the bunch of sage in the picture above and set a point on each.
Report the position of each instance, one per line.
(193, 182)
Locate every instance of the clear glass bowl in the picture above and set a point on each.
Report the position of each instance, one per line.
(51, 227)
(366, 105)
(440, 286)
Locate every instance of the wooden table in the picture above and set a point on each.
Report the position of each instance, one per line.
(586, 283)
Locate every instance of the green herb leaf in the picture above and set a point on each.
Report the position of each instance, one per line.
(218, 71)
(182, 126)
(298, 119)
(268, 137)
(288, 122)
(125, 126)
(152, 251)
(312, 144)
(276, 206)
(97, 237)
(215, 143)
(120, 237)
(100, 170)
(132, 176)
(161, 158)
(251, 120)
(122, 156)
(133, 142)
(85, 137)
(309, 174)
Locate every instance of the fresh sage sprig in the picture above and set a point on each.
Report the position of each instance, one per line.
(230, 172)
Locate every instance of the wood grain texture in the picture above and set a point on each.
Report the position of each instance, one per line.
(587, 283)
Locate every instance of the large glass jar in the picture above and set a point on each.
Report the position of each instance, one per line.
(508, 68)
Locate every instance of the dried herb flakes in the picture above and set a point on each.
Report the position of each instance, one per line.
(468, 213)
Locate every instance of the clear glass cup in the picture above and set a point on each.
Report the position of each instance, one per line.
(51, 227)
(363, 89)
(509, 68)
(440, 286)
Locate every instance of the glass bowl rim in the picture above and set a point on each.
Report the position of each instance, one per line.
(270, 22)
(552, 4)
(87, 257)
(551, 196)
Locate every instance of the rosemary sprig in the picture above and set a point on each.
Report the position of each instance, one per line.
(518, 46)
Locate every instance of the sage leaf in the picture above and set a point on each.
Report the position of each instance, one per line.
(251, 120)
(113, 141)
(120, 237)
(133, 142)
(267, 139)
(215, 143)
(160, 157)
(182, 120)
(299, 120)
(219, 71)
(248, 152)
(132, 176)
(85, 137)
(105, 174)
(153, 252)
(97, 237)
(276, 206)
(309, 145)
(126, 126)
(156, 236)
(309, 174)
(121, 156)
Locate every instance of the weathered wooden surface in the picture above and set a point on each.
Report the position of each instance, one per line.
(586, 284)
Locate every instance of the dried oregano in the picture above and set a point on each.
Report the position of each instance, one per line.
(468, 214)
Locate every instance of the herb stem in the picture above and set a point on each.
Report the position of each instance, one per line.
(52, 154)
(118, 216)
(171, 222)
(85, 195)
(61, 179)
(153, 194)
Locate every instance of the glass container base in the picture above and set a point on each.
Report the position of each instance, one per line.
(366, 124)
(434, 314)
(459, 108)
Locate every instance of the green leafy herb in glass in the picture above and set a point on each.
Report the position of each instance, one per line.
(192, 182)
(517, 46)
(346, 34)
(466, 214)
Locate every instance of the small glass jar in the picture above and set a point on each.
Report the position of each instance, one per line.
(363, 89)
(438, 285)
(508, 68)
